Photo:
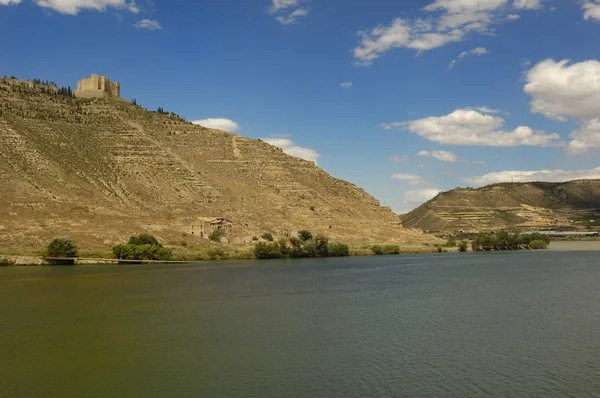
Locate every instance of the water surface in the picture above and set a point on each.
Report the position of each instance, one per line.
(499, 324)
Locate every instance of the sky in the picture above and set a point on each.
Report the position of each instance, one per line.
(402, 98)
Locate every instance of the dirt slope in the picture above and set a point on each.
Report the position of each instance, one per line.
(102, 169)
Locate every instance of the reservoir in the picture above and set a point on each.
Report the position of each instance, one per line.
(454, 325)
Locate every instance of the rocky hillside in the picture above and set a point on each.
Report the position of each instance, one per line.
(530, 206)
(100, 170)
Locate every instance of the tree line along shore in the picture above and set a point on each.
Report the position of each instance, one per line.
(146, 248)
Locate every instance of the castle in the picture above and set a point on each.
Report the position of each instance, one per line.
(97, 86)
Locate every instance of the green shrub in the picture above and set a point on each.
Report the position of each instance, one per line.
(305, 235)
(267, 236)
(312, 208)
(264, 250)
(255, 238)
(217, 253)
(63, 248)
(216, 235)
(144, 239)
(463, 246)
(451, 243)
(538, 245)
(440, 249)
(5, 262)
(183, 243)
(385, 250)
(339, 250)
(142, 252)
(322, 246)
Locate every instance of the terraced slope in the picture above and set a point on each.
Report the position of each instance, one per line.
(102, 169)
(530, 206)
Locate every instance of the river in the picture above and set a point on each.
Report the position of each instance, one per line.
(461, 325)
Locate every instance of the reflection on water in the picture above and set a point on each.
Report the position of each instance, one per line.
(506, 324)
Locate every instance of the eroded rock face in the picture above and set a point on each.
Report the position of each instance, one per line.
(103, 169)
(529, 206)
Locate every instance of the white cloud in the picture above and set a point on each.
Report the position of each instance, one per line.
(289, 147)
(442, 156)
(279, 5)
(533, 176)
(399, 159)
(512, 17)
(9, 2)
(412, 179)
(485, 109)
(72, 7)
(420, 196)
(528, 4)
(219, 124)
(148, 24)
(293, 17)
(591, 10)
(562, 91)
(470, 127)
(346, 85)
(447, 21)
(478, 162)
(284, 6)
(478, 52)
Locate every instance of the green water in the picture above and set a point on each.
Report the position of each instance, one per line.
(506, 324)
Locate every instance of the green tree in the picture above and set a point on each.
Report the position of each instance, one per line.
(305, 235)
(463, 246)
(144, 239)
(322, 246)
(62, 248)
(264, 250)
(216, 235)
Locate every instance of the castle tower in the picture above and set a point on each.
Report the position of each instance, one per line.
(97, 86)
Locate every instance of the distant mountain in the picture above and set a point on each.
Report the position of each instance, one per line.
(102, 169)
(529, 206)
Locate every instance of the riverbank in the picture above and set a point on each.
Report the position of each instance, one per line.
(575, 245)
(190, 254)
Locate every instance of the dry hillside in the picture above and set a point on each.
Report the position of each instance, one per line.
(100, 170)
(530, 206)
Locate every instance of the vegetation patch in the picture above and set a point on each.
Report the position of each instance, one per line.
(385, 250)
(504, 240)
(306, 246)
(62, 248)
(143, 247)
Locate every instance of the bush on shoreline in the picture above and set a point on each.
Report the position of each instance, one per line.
(62, 248)
(142, 247)
(504, 240)
(385, 250)
(304, 247)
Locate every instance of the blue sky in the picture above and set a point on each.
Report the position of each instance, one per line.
(443, 93)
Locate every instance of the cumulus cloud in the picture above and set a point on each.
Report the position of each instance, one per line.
(470, 127)
(287, 12)
(412, 179)
(420, 196)
(485, 109)
(148, 24)
(533, 176)
(219, 124)
(72, 7)
(346, 85)
(289, 147)
(563, 91)
(591, 10)
(442, 156)
(478, 52)
(528, 4)
(446, 21)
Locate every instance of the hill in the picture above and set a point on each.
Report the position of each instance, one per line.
(529, 206)
(100, 170)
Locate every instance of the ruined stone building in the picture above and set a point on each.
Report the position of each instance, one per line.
(97, 86)
(204, 226)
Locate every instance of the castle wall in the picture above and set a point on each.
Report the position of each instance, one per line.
(97, 86)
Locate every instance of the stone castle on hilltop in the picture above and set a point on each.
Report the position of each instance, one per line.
(97, 86)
